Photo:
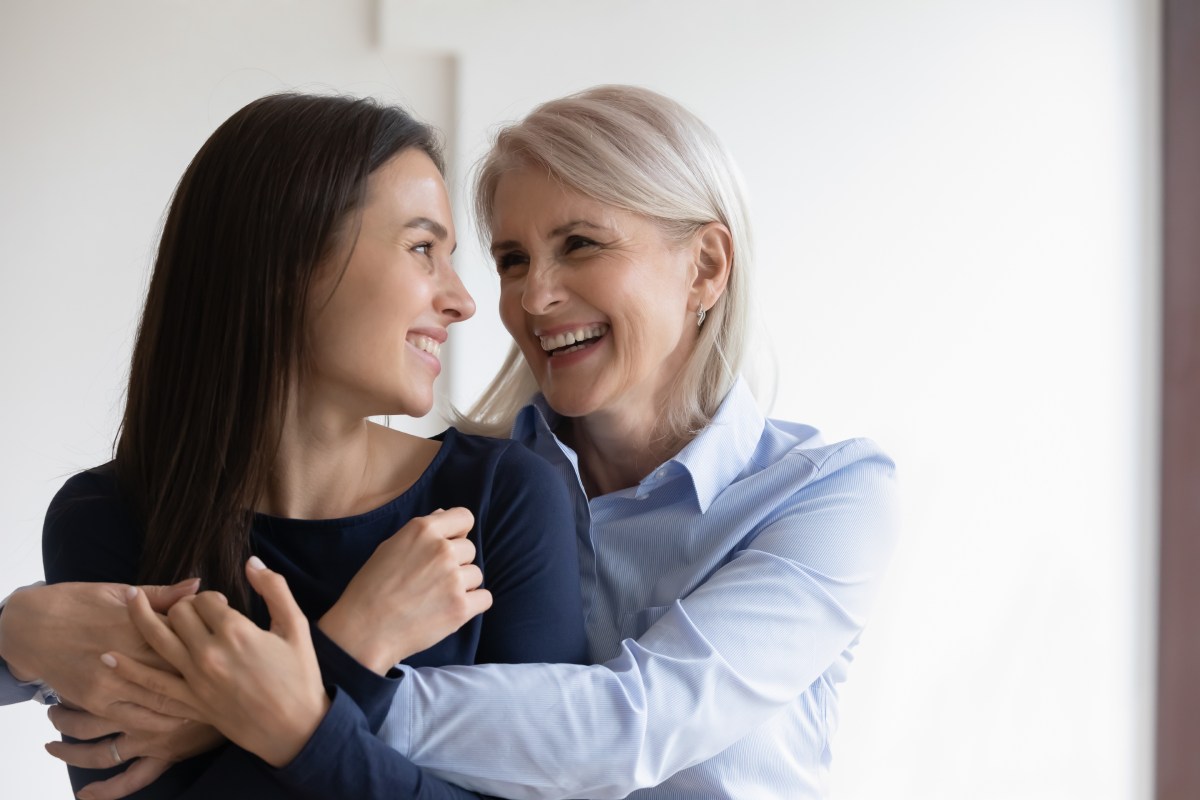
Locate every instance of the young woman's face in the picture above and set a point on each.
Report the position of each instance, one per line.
(597, 298)
(375, 329)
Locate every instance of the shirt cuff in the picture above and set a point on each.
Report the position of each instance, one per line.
(371, 692)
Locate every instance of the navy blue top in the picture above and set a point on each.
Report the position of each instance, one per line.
(524, 536)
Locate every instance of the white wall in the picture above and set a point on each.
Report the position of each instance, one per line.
(955, 228)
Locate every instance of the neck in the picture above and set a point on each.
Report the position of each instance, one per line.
(324, 467)
(332, 464)
(616, 451)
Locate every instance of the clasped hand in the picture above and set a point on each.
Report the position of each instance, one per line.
(263, 689)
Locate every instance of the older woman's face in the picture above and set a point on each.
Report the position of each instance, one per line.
(597, 298)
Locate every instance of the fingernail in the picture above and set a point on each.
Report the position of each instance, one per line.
(130, 593)
(108, 660)
(256, 563)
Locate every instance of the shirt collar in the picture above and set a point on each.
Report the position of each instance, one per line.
(719, 454)
(714, 459)
(534, 420)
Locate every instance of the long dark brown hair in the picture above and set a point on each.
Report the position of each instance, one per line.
(271, 197)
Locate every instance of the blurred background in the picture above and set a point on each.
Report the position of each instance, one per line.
(956, 218)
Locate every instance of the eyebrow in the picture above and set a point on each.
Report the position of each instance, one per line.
(431, 225)
(566, 227)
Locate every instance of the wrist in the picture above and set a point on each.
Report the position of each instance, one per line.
(11, 649)
(284, 749)
(355, 639)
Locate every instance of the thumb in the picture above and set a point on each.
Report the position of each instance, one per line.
(163, 597)
(286, 617)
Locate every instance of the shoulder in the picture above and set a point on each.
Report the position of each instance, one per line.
(508, 459)
(522, 493)
(831, 505)
(88, 525)
(842, 490)
(93, 489)
(801, 450)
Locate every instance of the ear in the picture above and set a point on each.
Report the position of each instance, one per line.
(713, 250)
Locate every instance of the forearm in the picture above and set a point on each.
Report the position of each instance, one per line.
(371, 692)
(679, 695)
(344, 759)
(707, 674)
(16, 685)
(13, 657)
(565, 731)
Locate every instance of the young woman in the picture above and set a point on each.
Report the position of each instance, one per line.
(303, 283)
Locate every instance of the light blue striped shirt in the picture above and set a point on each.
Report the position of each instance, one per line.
(723, 594)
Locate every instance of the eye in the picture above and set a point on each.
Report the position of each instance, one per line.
(505, 262)
(574, 243)
(424, 248)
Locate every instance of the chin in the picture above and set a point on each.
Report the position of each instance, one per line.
(408, 406)
(569, 404)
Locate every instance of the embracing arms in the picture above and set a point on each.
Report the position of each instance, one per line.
(718, 663)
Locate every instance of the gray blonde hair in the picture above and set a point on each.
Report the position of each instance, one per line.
(633, 149)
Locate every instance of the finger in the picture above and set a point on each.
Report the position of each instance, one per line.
(158, 634)
(161, 692)
(163, 597)
(463, 550)
(140, 774)
(81, 724)
(470, 576)
(188, 626)
(147, 656)
(455, 523)
(213, 608)
(133, 717)
(286, 617)
(91, 755)
(478, 601)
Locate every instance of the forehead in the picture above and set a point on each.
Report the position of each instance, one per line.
(408, 184)
(530, 197)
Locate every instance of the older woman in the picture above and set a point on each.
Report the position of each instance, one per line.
(727, 561)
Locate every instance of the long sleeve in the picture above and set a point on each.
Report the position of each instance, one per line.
(777, 616)
(12, 690)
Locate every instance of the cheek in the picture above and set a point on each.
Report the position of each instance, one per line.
(511, 313)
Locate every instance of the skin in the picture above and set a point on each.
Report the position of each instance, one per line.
(262, 689)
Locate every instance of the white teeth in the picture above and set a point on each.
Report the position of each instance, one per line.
(425, 343)
(571, 337)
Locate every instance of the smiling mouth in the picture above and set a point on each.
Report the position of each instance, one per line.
(425, 345)
(570, 341)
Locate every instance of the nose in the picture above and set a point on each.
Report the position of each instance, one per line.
(454, 301)
(542, 288)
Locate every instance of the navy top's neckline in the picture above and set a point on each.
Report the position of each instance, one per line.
(446, 437)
